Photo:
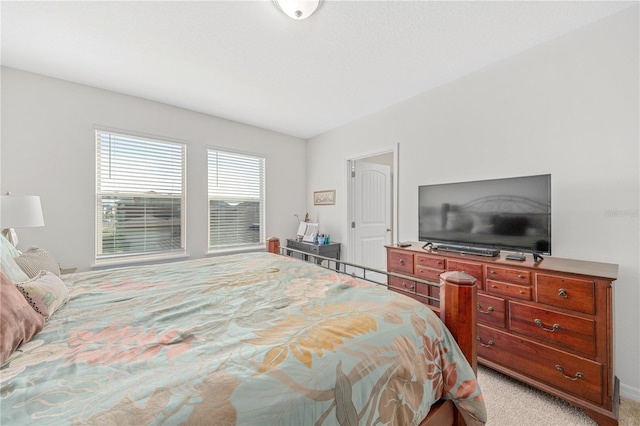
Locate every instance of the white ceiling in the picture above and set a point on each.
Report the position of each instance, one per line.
(248, 62)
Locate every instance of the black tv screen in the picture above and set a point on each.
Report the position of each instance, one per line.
(510, 214)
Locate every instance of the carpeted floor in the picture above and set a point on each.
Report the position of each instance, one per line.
(510, 402)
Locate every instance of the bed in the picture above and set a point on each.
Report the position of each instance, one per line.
(247, 339)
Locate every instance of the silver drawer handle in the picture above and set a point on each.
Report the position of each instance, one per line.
(405, 285)
(486, 345)
(488, 311)
(401, 261)
(563, 293)
(576, 377)
(550, 330)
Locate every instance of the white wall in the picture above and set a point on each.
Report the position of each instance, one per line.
(569, 108)
(48, 149)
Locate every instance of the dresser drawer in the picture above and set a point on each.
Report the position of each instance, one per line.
(402, 284)
(400, 261)
(570, 373)
(473, 269)
(433, 262)
(423, 289)
(513, 276)
(510, 290)
(429, 290)
(428, 274)
(491, 310)
(569, 293)
(435, 293)
(566, 331)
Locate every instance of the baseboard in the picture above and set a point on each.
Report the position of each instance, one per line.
(629, 392)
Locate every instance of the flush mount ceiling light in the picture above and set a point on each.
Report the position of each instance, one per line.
(297, 9)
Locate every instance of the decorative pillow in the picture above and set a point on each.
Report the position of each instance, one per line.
(35, 260)
(45, 293)
(18, 322)
(6, 245)
(9, 265)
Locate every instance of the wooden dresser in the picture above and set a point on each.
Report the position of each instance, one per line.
(548, 324)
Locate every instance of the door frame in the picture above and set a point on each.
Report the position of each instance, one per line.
(351, 198)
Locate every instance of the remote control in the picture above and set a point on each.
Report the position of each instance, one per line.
(404, 244)
(519, 257)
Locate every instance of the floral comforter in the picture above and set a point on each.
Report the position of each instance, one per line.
(250, 339)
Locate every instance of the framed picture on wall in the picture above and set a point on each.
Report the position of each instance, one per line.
(324, 198)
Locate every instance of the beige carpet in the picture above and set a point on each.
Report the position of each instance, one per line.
(510, 402)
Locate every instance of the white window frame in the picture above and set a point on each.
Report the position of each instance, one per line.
(247, 194)
(141, 188)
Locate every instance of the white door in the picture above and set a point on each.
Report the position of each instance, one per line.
(372, 213)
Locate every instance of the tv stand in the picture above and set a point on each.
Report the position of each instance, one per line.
(478, 251)
(548, 324)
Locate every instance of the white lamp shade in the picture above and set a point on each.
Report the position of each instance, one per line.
(20, 211)
(297, 9)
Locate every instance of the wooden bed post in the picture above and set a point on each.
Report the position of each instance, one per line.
(458, 300)
(273, 245)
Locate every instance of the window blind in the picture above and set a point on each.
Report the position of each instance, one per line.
(236, 185)
(140, 193)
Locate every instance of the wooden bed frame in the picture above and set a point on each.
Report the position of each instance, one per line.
(458, 300)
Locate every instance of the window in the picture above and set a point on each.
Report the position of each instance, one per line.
(236, 200)
(140, 197)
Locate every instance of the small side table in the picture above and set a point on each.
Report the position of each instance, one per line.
(331, 250)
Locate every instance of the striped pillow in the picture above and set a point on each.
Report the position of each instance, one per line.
(35, 260)
(7, 261)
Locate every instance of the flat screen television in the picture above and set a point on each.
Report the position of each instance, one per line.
(511, 214)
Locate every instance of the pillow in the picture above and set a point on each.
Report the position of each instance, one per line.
(6, 245)
(35, 260)
(9, 265)
(18, 322)
(45, 293)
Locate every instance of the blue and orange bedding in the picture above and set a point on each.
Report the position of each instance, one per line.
(247, 339)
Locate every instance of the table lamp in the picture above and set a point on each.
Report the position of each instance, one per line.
(19, 211)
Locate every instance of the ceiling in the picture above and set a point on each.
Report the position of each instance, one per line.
(248, 62)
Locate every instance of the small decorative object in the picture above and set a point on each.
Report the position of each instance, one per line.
(324, 198)
(310, 233)
(302, 228)
(306, 217)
